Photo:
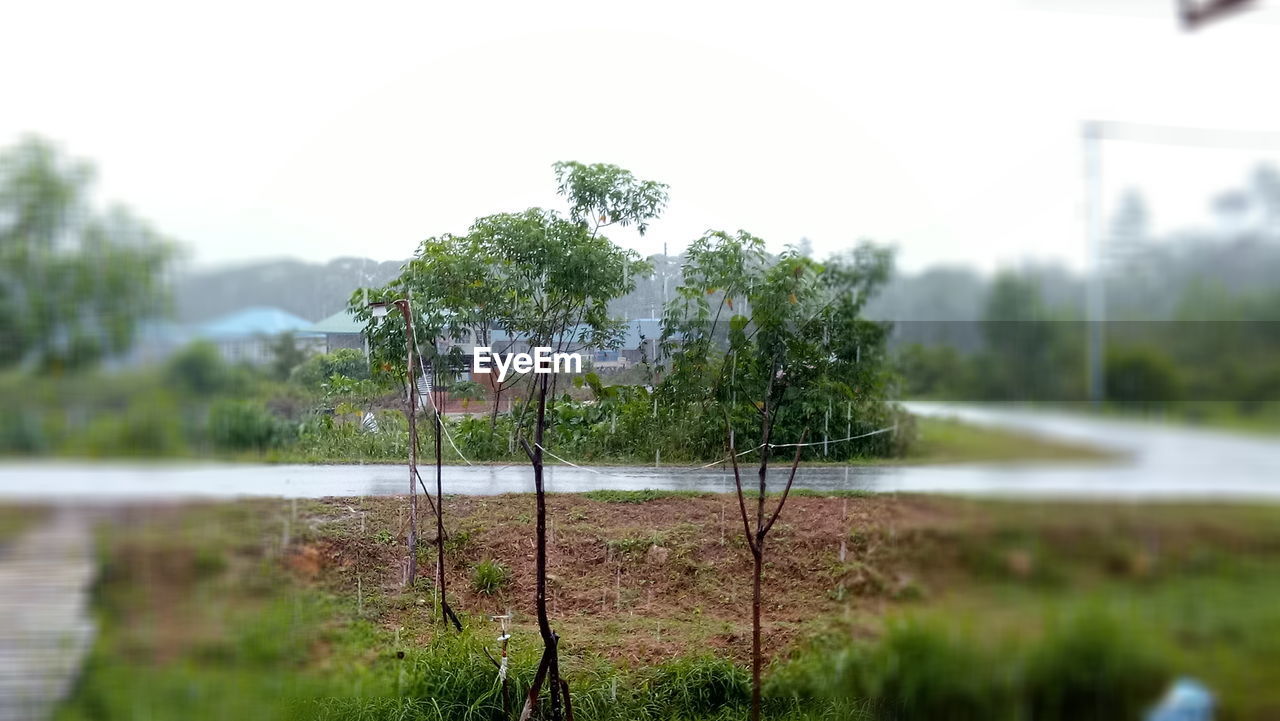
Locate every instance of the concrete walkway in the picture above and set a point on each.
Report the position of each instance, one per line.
(45, 625)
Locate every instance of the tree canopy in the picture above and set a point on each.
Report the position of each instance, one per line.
(765, 333)
(535, 274)
(75, 283)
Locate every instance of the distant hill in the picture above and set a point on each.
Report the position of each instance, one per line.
(310, 290)
(1150, 285)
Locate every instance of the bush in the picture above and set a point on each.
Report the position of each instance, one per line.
(245, 425)
(329, 437)
(21, 432)
(1142, 376)
(1092, 667)
(347, 362)
(477, 440)
(924, 672)
(150, 426)
(199, 369)
(697, 687)
(934, 371)
(468, 391)
(489, 577)
(453, 679)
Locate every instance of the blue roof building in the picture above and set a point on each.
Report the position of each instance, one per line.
(261, 320)
(246, 335)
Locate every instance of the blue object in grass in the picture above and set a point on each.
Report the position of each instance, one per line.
(1186, 700)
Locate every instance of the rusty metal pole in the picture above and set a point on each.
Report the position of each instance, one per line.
(412, 411)
(446, 612)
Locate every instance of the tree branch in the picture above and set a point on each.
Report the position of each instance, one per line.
(790, 479)
(737, 482)
(535, 690)
(492, 660)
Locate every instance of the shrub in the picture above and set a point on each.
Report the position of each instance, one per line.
(915, 671)
(696, 687)
(489, 577)
(1092, 667)
(468, 391)
(199, 369)
(244, 425)
(150, 426)
(1142, 376)
(327, 437)
(478, 440)
(346, 362)
(920, 671)
(21, 431)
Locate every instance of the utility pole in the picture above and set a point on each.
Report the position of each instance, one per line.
(379, 310)
(1093, 133)
(446, 613)
(1096, 298)
(666, 263)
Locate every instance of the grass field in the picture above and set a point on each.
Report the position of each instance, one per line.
(989, 610)
(945, 440)
(1260, 418)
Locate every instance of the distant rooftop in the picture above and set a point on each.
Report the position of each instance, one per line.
(340, 322)
(648, 328)
(254, 321)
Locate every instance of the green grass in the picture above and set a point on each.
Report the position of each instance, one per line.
(1262, 418)
(940, 441)
(641, 496)
(489, 577)
(943, 440)
(1023, 609)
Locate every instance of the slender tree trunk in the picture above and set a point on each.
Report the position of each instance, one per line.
(757, 550)
(755, 539)
(550, 641)
(531, 700)
(411, 573)
(497, 402)
(568, 704)
(756, 655)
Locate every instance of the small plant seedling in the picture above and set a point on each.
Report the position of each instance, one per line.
(489, 577)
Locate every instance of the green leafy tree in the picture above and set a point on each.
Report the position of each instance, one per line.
(542, 278)
(316, 370)
(74, 283)
(766, 335)
(601, 195)
(467, 391)
(457, 295)
(200, 369)
(1033, 351)
(560, 275)
(286, 355)
(934, 371)
(1141, 376)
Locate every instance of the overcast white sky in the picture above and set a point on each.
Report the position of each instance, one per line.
(317, 130)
